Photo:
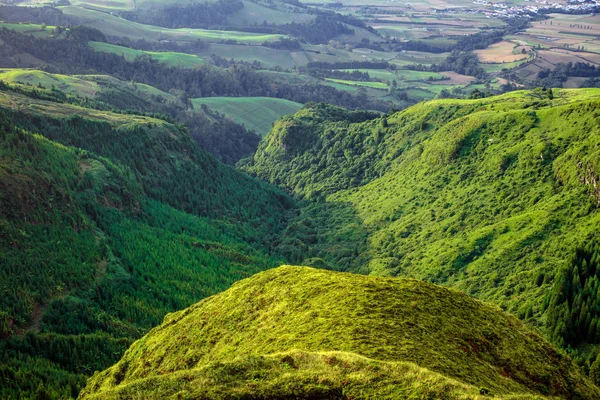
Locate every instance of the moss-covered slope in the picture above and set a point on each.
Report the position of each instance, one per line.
(298, 332)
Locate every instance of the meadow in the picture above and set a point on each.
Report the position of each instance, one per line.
(175, 59)
(255, 113)
(115, 26)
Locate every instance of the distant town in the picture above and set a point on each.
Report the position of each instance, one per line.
(503, 10)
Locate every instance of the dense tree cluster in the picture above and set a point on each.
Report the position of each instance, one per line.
(91, 260)
(573, 314)
(36, 15)
(205, 14)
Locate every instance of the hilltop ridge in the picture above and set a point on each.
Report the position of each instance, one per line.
(297, 332)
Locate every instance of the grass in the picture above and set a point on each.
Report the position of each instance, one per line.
(307, 333)
(373, 85)
(68, 84)
(174, 59)
(255, 113)
(31, 29)
(115, 26)
(266, 56)
(431, 193)
(399, 75)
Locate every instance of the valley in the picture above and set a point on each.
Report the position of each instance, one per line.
(429, 168)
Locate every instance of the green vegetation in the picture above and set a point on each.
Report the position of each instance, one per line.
(573, 307)
(487, 196)
(373, 85)
(255, 113)
(96, 248)
(112, 25)
(295, 332)
(181, 60)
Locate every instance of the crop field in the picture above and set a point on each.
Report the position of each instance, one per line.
(174, 59)
(502, 52)
(115, 26)
(578, 32)
(256, 113)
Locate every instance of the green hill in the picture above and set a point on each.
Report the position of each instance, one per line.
(296, 332)
(255, 113)
(104, 88)
(99, 240)
(490, 196)
(116, 26)
(174, 59)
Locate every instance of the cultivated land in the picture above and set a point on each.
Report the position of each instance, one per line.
(255, 113)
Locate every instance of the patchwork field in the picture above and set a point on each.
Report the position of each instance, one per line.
(256, 113)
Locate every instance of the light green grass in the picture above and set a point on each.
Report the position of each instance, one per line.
(256, 113)
(68, 84)
(266, 56)
(373, 85)
(29, 29)
(174, 59)
(115, 26)
(297, 332)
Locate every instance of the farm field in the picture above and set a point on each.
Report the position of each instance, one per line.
(502, 52)
(400, 75)
(174, 59)
(255, 113)
(373, 85)
(115, 26)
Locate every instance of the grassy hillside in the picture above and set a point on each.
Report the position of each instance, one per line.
(95, 247)
(256, 113)
(115, 26)
(174, 59)
(117, 93)
(490, 196)
(295, 332)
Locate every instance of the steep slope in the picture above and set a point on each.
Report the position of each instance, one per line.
(491, 196)
(297, 332)
(92, 255)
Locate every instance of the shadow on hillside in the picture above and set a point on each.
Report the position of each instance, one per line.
(327, 234)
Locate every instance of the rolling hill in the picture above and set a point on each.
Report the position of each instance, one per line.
(255, 113)
(302, 333)
(490, 196)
